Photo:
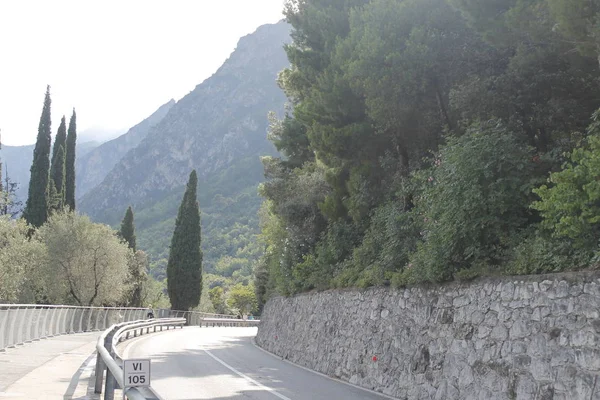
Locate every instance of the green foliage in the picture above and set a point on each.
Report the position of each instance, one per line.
(58, 167)
(18, 258)
(86, 263)
(243, 299)
(534, 80)
(9, 204)
(127, 231)
(578, 21)
(154, 294)
(539, 254)
(217, 299)
(137, 264)
(70, 163)
(56, 191)
(385, 248)
(184, 269)
(474, 201)
(375, 88)
(571, 204)
(36, 208)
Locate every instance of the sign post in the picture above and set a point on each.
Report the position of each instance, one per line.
(136, 373)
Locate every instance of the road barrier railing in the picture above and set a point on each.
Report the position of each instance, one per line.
(217, 322)
(110, 361)
(24, 323)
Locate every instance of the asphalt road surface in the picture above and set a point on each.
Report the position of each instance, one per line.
(223, 363)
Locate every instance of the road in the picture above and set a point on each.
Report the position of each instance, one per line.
(223, 363)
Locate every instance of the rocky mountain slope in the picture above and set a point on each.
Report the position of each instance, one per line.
(16, 161)
(219, 129)
(93, 166)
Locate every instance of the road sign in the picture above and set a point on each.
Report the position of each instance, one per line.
(136, 372)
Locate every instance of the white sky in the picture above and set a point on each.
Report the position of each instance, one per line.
(115, 61)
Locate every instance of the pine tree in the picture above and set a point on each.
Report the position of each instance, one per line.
(56, 191)
(184, 269)
(70, 163)
(127, 231)
(36, 209)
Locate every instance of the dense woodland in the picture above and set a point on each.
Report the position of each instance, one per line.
(433, 140)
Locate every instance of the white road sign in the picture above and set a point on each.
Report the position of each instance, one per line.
(136, 372)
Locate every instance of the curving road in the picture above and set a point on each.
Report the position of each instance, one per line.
(223, 363)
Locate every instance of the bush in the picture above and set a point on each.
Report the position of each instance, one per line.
(570, 205)
(540, 254)
(473, 203)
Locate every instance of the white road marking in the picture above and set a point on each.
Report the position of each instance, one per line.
(246, 377)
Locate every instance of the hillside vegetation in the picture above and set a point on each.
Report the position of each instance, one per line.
(432, 140)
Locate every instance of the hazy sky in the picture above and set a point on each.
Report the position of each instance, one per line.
(115, 61)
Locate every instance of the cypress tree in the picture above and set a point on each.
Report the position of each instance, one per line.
(127, 231)
(57, 166)
(56, 192)
(70, 163)
(60, 139)
(184, 268)
(36, 208)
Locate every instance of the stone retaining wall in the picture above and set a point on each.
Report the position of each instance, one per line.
(534, 337)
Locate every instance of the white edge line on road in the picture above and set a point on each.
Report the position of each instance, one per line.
(246, 377)
(387, 396)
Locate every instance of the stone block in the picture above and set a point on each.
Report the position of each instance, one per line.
(446, 391)
(461, 301)
(520, 329)
(507, 292)
(540, 369)
(592, 288)
(499, 333)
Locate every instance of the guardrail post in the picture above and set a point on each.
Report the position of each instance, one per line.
(100, 367)
(111, 382)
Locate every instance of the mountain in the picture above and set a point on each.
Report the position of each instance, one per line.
(100, 135)
(16, 162)
(93, 167)
(219, 129)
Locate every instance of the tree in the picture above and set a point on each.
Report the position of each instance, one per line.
(217, 299)
(57, 165)
(127, 231)
(9, 205)
(86, 262)
(578, 21)
(36, 208)
(70, 163)
(570, 202)
(242, 298)
(153, 294)
(184, 268)
(18, 257)
(56, 191)
(138, 276)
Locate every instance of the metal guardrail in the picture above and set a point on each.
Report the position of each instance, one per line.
(216, 322)
(109, 360)
(23, 323)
